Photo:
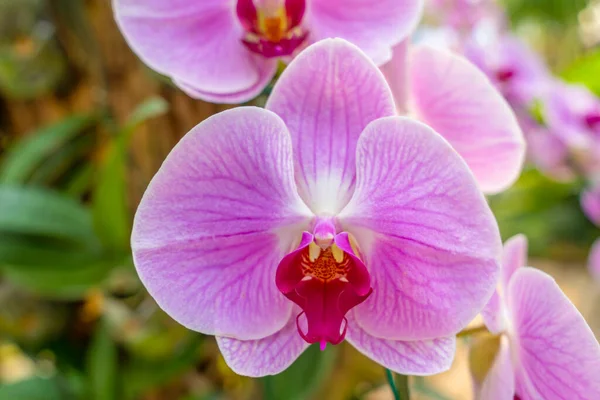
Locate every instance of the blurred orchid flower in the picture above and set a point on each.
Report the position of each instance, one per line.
(322, 218)
(515, 69)
(572, 113)
(227, 50)
(568, 142)
(545, 349)
(457, 100)
(549, 153)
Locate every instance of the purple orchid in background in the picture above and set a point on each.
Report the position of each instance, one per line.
(546, 349)
(515, 69)
(572, 114)
(458, 101)
(228, 50)
(322, 218)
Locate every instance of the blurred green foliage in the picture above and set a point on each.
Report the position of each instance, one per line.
(556, 11)
(549, 213)
(585, 71)
(31, 60)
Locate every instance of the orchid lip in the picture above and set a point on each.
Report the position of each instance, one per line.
(273, 28)
(326, 280)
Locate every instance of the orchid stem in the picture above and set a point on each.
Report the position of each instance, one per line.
(472, 331)
(390, 379)
(399, 385)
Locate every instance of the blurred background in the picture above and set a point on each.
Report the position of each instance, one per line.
(83, 128)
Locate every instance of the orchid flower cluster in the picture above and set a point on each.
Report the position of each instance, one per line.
(561, 121)
(350, 208)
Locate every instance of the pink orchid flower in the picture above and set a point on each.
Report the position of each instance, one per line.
(546, 351)
(514, 68)
(227, 51)
(322, 218)
(572, 113)
(458, 101)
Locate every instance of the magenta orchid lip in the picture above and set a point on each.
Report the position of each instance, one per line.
(273, 28)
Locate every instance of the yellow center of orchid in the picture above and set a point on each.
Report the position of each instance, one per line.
(273, 23)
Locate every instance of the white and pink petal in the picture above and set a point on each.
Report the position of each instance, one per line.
(459, 102)
(428, 237)
(216, 220)
(418, 357)
(197, 43)
(326, 97)
(558, 355)
(374, 26)
(267, 356)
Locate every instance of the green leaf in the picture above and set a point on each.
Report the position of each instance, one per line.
(548, 213)
(32, 389)
(110, 209)
(151, 108)
(29, 154)
(58, 283)
(48, 245)
(303, 378)
(44, 213)
(103, 365)
(26, 251)
(585, 71)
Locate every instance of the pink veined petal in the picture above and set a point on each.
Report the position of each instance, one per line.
(494, 316)
(499, 383)
(268, 356)
(326, 97)
(420, 357)
(374, 26)
(458, 101)
(514, 256)
(207, 234)
(194, 42)
(558, 355)
(594, 260)
(395, 72)
(425, 230)
(266, 71)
